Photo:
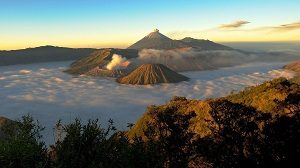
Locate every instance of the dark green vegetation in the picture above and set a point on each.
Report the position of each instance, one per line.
(3, 123)
(236, 128)
(152, 74)
(233, 131)
(22, 146)
(42, 54)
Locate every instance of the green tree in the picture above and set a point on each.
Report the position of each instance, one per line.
(169, 130)
(283, 142)
(238, 140)
(22, 146)
(90, 145)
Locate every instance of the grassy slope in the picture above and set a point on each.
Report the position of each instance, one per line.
(267, 96)
(274, 97)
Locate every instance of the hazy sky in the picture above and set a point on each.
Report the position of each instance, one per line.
(118, 23)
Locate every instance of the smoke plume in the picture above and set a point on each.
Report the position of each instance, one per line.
(117, 62)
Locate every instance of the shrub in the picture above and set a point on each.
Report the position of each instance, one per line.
(22, 146)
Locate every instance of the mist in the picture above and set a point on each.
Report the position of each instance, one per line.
(193, 59)
(48, 94)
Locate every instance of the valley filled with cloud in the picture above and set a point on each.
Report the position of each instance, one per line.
(45, 92)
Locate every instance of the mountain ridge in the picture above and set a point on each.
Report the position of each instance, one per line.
(42, 54)
(156, 40)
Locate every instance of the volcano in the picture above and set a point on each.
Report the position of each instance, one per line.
(152, 74)
(94, 64)
(156, 40)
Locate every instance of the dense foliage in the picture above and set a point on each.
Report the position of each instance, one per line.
(269, 97)
(22, 146)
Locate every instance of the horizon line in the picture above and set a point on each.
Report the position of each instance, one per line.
(118, 47)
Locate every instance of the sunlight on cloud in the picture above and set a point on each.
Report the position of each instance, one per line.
(24, 71)
(233, 25)
(234, 32)
(288, 27)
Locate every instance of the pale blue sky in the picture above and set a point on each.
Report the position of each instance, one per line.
(103, 23)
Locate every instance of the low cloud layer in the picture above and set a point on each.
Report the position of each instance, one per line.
(192, 59)
(235, 24)
(48, 94)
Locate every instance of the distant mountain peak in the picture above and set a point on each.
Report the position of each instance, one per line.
(156, 40)
(156, 35)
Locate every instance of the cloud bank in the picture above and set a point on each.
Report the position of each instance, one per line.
(193, 59)
(189, 60)
(48, 94)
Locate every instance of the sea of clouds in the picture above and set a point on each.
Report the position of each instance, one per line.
(189, 59)
(45, 92)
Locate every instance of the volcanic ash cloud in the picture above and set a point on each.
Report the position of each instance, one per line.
(117, 62)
